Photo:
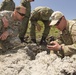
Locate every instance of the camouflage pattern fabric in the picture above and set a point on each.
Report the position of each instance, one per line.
(13, 39)
(25, 21)
(26, 4)
(23, 27)
(43, 14)
(7, 5)
(68, 38)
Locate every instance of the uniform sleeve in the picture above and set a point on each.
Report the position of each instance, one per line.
(59, 41)
(71, 49)
(13, 29)
(12, 32)
(68, 50)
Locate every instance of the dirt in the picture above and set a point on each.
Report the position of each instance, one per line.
(34, 60)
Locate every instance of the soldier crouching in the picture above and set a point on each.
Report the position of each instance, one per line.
(9, 27)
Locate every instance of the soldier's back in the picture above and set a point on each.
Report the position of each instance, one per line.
(44, 12)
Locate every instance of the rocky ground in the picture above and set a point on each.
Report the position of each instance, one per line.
(22, 61)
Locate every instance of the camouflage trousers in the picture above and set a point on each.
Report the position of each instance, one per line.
(10, 43)
(23, 27)
(45, 31)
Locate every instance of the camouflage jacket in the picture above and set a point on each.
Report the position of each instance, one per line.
(7, 5)
(41, 13)
(13, 25)
(68, 38)
(26, 4)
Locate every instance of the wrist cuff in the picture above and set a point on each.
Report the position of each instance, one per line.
(61, 51)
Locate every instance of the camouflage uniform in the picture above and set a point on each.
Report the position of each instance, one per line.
(13, 39)
(68, 38)
(25, 21)
(7, 5)
(44, 17)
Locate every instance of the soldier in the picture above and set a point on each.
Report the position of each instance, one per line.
(66, 44)
(9, 23)
(43, 14)
(7, 5)
(24, 26)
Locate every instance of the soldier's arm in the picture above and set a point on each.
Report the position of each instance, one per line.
(3, 29)
(5, 22)
(6, 32)
(67, 50)
(1, 22)
(71, 49)
(13, 30)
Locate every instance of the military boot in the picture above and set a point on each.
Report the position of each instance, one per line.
(22, 39)
(43, 41)
(33, 40)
